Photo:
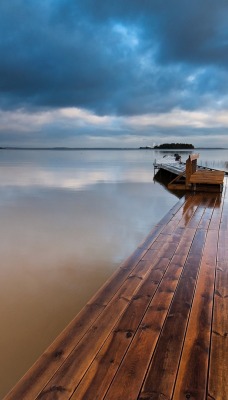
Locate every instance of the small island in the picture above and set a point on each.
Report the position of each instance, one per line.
(174, 146)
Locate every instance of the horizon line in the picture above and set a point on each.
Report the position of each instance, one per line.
(102, 148)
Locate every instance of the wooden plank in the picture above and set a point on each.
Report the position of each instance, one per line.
(177, 178)
(207, 173)
(217, 213)
(218, 369)
(129, 377)
(177, 186)
(193, 370)
(197, 217)
(208, 188)
(205, 222)
(163, 368)
(207, 177)
(199, 203)
(224, 222)
(184, 214)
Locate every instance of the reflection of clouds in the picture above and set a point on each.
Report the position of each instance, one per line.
(69, 178)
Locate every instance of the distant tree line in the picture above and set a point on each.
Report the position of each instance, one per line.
(174, 146)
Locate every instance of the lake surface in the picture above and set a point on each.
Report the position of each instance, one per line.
(68, 218)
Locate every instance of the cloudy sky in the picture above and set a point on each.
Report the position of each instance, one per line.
(113, 72)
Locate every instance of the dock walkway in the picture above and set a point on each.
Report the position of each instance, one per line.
(158, 329)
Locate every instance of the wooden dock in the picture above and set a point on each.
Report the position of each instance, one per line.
(190, 176)
(158, 329)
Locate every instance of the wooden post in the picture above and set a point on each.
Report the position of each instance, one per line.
(191, 166)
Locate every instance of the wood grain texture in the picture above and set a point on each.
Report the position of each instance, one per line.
(101, 372)
(193, 370)
(207, 177)
(130, 376)
(163, 368)
(218, 368)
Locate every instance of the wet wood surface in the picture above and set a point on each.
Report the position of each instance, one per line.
(211, 177)
(158, 329)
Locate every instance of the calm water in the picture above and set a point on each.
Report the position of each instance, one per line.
(68, 218)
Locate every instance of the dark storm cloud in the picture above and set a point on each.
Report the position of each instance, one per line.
(113, 57)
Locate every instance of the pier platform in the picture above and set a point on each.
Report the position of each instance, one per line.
(158, 329)
(189, 176)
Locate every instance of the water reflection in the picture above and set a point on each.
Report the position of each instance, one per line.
(66, 223)
(71, 170)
